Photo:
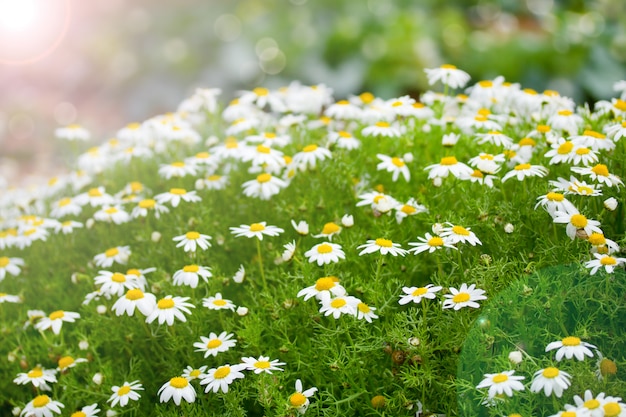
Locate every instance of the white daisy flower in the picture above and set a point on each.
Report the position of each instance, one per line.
(191, 240)
(364, 311)
(481, 177)
(394, 165)
(67, 362)
(329, 230)
(218, 303)
(262, 364)
(325, 253)
(430, 243)
(177, 388)
(566, 120)
(571, 346)
(256, 230)
(67, 226)
(169, 308)
(550, 380)
(10, 266)
(302, 227)
(448, 165)
(576, 221)
(72, 133)
(494, 137)
(583, 155)
(300, 399)
(189, 275)
(64, 207)
(264, 186)
(220, 378)
(562, 152)
(262, 155)
(344, 140)
(381, 129)
(215, 344)
(608, 262)
(416, 294)
(135, 298)
(309, 156)
(55, 320)
(41, 406)
(343, 110)
(594, 140)
(448, 74)
(95, 197)
(601, 174)
(521, 171)
(553, 202)
(590, 405)
(601, 244)
(384, 246)
(466, 296)
(194, 373)
(87, 411)
(175, 195)
(114, 283)
(177, 169)
(38, 376)
(458, 234)
(124, 393)
(344, 304)
(8, 298)
(616, 131)
(290, 250)
(213, 182)
(118, 254)
(501, 383)
(325, 284)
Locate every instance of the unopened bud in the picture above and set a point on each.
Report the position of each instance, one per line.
(242, 311)
(515, 357)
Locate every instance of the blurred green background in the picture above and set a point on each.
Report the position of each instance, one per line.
(127, 60)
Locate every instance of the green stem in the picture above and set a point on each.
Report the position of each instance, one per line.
(258, 249)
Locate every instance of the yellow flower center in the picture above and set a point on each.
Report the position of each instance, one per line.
(219, 302)
(64, 202)
(571, 341)
(613, 409)
(179, 382)
(600, 170)
(147, 204)
(397, 162)
(94, 192)
(608, 260)
(325, 284)
(111, 210)
(134, 294)
(263, 178)
(591, 404)
(29, 232)
(419, 292)
(582, 151)
(578, 220)
(65, 361)
(297, 399)
(448, 161)
(191, 268)
(478, 174)
(500, 377)
(568, 414)
(550, 372)
(214, 177)
(527, 142)
(338, 303)
(584, 190)
(178, 164)
(407, 209)
(382, 124)
(109, 253)
(522, 167)
(597, 239)
(41, 401)
(222, 372)
(435, 241)
(195, 373)
(262, 364)
(543, 128)
(485, 83)
(330, 228)
(363, 308)
(366, 97)
(78, 414)
(135, 186)
(257, 227)
(460, 230)
(117, 277)
(620, 105)
(35, 373)
(214, 343)
(203, 155)
(123, 390)
(263, 149)
(269, 135)
(564, 113)
(260, 91)
(165, 303)
(178, 191)
(565, 148)
(192, 235)
(231, 143)
(4, 261)
(385, 243)
(309, 148)
(552, 196)
(448, 66)
(324, 248)
(59, 314)
(344, 134)
(594, 134)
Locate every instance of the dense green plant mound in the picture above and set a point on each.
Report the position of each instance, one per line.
(290, 254)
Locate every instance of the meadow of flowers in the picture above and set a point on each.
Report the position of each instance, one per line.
(289, 253)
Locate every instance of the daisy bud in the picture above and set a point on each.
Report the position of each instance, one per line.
(426, 128)
(74, 278)
(242, 311)
(515, 357)
(610, 204)
(83, 345)
(101, 309)
(509, 228)
(347, 220)
(89, 223)
(97, 378)
(450, 139)
(11, 357)
(437, 181)
(408, 157)
(16, 411)
(240, 275)
(155, 236)
(378, 401)
(199, 185)
(414, 341)
(111, 413)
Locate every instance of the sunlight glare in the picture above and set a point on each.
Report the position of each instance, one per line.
(18, 15)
